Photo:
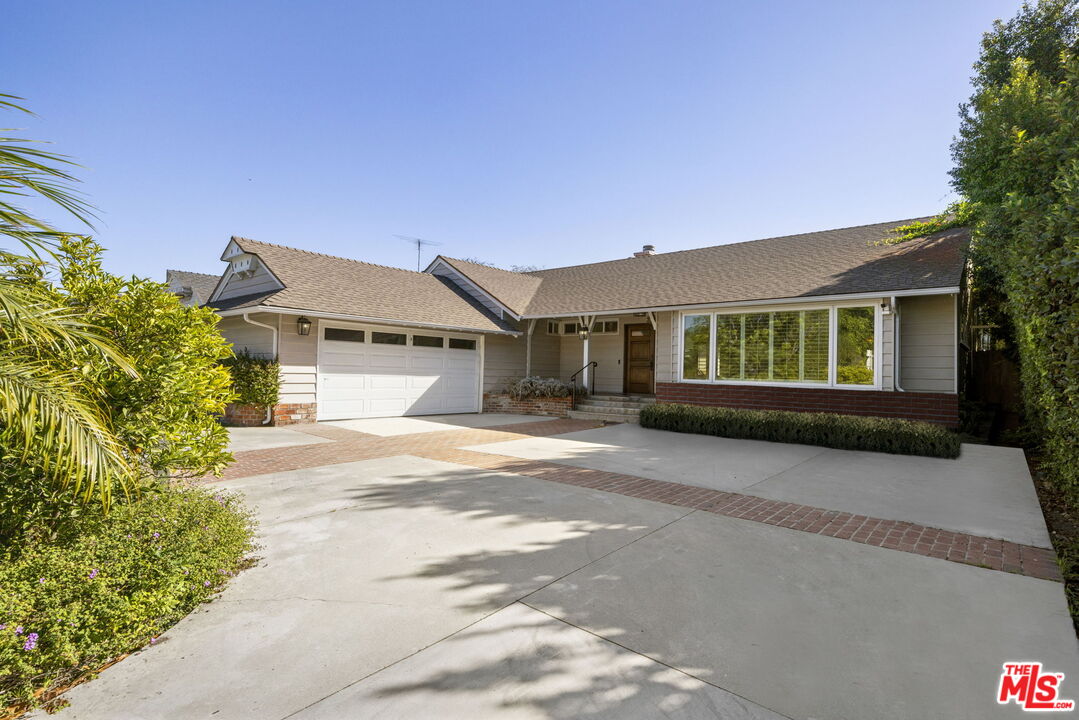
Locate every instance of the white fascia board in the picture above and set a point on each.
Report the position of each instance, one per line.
(441, 261)
(362, 318)
(746, 303)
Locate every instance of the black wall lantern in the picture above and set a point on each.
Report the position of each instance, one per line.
(303, 326)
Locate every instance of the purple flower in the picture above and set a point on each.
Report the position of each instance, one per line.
(186, 572)
(93, 573)
(41, 580)
(18, 630)
(31, 642)
(157, 535)
(206, 584)
(3, 626)
(153, 641)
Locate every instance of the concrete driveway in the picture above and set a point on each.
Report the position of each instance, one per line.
(407, 586)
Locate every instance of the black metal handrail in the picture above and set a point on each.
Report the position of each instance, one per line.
(573, 379)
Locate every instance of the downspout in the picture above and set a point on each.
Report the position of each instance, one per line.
(273, 330)
(895, 346)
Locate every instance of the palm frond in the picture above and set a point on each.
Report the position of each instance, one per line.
(60, 429)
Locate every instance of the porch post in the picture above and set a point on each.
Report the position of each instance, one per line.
(528, 348)
(586, 377)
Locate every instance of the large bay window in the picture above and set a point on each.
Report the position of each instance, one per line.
(782, 346)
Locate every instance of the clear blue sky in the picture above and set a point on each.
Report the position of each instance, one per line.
(516, 131)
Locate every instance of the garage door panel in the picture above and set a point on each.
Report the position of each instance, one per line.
(375, 380)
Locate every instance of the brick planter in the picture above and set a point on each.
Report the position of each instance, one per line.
(939, 408)
(503, 403)
(294, 413)
(244, 415)
(255, 415)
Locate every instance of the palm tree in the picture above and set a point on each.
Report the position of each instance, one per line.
(48, 410)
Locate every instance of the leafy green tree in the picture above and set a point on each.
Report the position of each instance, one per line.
(1017, 163)
(51, 417)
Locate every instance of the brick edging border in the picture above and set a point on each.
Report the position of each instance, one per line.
(959, 547)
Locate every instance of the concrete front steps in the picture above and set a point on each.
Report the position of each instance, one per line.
(611, 408)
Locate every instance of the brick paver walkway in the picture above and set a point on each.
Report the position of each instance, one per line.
(446, 446)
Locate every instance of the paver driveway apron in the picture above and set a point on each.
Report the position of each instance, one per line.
(394, 585)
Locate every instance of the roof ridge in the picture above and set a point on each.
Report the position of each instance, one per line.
(484, 265)
(326, 255)
(740, 242)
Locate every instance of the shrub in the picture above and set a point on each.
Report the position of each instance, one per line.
(854, 375)
(844, 432)
(70, 604)
(255, 380)
(531, 387)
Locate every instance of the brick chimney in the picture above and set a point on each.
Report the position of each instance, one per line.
(646, 251)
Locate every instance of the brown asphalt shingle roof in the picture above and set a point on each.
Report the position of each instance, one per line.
(830, 262)
(201, 284)
(325, 283)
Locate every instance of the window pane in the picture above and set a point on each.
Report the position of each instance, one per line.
(695, 332)
(386, 338)
(729, 347)
(610, 326)
(815, 346)
(426, 341)
(569, 329)
(343, 335)
(756, 346)
(459, 344)
(854, 364)
(786, 345)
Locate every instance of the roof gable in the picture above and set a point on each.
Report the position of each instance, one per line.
(324, 283)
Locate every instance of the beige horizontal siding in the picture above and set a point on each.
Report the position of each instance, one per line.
(243, 335)
(666, 346)
(298, 357)
(927, 343)
(503, 361)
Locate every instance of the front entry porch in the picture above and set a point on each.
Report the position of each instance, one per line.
(610, 354)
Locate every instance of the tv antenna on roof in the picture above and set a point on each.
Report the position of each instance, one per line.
(419, 243)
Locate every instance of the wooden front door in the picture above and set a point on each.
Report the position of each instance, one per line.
(640, 359)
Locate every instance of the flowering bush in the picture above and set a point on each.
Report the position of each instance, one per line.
(112, 584)
(530, 387)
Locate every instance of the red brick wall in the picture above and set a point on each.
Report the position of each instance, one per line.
(255, 415)
(502, 403)
(244, 415)
(294, 413)
(940, 408)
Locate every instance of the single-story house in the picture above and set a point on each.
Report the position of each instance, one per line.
(832, 320)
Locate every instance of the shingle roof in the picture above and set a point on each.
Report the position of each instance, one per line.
(513, 289)
(830, 262)
(201, 284)
(325, 283)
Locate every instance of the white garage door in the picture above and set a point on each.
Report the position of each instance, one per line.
(387, 372)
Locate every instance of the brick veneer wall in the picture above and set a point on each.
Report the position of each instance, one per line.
(244, 415)
(503, 403)
(940, 408)
(255, 415)
(294, 413)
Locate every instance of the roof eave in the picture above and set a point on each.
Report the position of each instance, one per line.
(363, 318)
(945, 290)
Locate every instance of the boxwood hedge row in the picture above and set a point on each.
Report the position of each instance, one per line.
(844, 432)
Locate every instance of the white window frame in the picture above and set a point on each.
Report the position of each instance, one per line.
(832, 308)
(596, 325)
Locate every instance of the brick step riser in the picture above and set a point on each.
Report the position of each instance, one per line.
(605, 417)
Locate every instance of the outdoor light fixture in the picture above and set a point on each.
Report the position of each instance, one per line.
(303, 326)
(583, 332)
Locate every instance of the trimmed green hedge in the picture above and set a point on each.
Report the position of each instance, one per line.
(255, 380)
(844, 432)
